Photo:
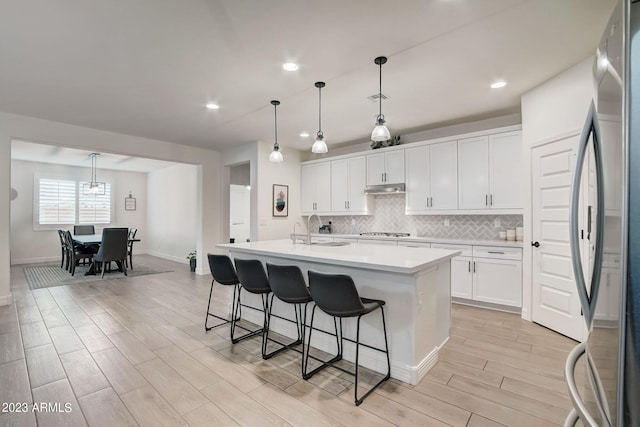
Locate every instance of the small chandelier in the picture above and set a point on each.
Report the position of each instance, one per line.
(276, 155)
(320, 145)
(94, 187)
(380, 132)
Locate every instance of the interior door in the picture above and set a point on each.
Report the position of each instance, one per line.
(556, 303)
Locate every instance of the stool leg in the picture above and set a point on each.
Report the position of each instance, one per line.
(265, 323)
(386, 344)
(306, 375)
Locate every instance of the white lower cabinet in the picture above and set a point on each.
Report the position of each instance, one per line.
(487, 274)
(378, 242)
(497, 281)
(461, 277)
(414, 244)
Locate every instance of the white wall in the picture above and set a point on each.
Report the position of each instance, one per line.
(171, 214)
(29, 245)
(240, 213)
(552, 111)
(209, 174)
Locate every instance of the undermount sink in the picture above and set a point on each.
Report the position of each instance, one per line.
(330, 243)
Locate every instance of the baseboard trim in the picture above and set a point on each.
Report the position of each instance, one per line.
(39, 260)
(6, 300)
(173, 258)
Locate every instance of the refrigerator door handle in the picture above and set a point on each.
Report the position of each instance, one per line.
(578, 405)
(587, 301)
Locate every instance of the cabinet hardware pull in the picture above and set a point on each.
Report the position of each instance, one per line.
(469, 266)
(431, 201)
(486, 200)
(491, 200)
(474, 266)
(496, 252)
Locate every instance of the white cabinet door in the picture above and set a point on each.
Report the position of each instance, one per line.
(385, 168)
(307, 189)
(375, 169)
(357, 201)
(339, 185)
(323, 187)
(473, 173)
(497, 281)
(505, 166)
(461, 277)
(315, 183)
(443, 172)
(394, 167)
(417, 185)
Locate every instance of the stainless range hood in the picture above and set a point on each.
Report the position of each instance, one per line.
(385, 189)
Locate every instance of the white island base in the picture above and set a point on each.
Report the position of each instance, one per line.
(414, 283)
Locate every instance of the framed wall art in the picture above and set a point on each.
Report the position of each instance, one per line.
(280, 200)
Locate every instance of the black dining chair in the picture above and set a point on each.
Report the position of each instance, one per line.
(63, 248)
(288, 285)
(113, 248)
(75, 253)
(337, 296)
(130, 242)
(79, 230)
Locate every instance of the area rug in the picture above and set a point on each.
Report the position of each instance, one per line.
(49, 275)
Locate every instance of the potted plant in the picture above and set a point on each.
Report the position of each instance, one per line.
(192, 260)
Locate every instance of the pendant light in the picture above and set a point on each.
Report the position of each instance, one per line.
(320, 145)
(276, 155)
(380, 132)
(94, 187)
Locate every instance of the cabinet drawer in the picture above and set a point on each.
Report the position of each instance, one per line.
(465, 249)
(497, 252)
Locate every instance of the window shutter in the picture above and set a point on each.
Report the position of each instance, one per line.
(94, 208)
(57, 201)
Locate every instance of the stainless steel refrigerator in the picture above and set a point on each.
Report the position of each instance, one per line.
(603, 373)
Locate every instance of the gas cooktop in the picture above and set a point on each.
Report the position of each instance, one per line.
(385, 234)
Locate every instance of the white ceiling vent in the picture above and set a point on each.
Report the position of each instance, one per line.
(375, 97)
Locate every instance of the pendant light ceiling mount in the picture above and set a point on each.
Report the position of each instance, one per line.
(276, 155)
(380, 132)
(320, 145)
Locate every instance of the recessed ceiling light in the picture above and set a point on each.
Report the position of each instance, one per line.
(304, 134)
(290, 66)
(498, 84)
(212, 106)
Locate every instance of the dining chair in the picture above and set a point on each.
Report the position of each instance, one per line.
(113, 248)
(79, 230)
(63, 248)
(75, 253)
(130, 242)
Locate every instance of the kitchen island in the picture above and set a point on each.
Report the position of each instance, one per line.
(414, 282)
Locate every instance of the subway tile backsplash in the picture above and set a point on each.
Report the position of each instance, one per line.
(388, 215)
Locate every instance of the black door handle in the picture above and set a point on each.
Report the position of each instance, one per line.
(535, 244)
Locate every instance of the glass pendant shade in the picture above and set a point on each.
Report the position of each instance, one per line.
(94, 186)
(320, 145)
(380, 132)
(276, 155)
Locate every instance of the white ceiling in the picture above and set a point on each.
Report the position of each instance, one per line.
(22, 150)
(147, 67)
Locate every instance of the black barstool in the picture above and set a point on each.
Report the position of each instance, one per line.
(287, 283)
(254, 280)
(223, 272)
(337, 296)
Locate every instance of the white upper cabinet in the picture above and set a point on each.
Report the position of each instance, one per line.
(315, 181)
(432, 177)
(348, 179)
(385, 168)
(490, 172)
(505, 167)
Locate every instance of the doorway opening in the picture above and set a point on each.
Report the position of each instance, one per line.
(240, 203)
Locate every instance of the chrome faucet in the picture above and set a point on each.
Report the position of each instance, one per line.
(293, 236)
(309, 228)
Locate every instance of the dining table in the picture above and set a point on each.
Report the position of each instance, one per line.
(95, 240)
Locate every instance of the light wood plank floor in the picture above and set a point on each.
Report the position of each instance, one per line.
(134, 352)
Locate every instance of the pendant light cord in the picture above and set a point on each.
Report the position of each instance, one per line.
(275, 120)
(380, 92)
(320, 110)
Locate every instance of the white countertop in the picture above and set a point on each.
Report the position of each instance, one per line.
(477, 242)
(371, 257)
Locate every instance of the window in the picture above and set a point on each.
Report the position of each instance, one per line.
(61, 201)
